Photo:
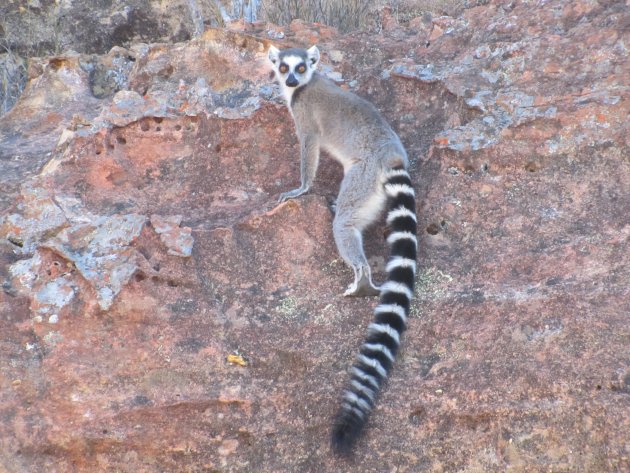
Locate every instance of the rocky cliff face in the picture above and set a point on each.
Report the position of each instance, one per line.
(34, 26)
(161, 313)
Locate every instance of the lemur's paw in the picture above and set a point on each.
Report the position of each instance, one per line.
(363, 289)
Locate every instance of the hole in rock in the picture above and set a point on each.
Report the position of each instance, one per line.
(416, 416)
(433, 229)
(532, 167)
(55, 63)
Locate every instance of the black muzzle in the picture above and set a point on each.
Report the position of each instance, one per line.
(291, 81)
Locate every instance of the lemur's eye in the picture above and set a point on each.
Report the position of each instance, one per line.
(283, 68)
(301, 68)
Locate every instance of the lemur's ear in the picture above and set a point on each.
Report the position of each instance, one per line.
(313, 55)
(274, 54)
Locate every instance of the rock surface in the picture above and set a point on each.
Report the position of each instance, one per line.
(37, 26)
(161, 313)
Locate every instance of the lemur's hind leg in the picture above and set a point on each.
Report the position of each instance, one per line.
(360, 202)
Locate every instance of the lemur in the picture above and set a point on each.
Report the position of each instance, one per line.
(375, 163)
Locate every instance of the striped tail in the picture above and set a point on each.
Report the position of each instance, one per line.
(378, 352)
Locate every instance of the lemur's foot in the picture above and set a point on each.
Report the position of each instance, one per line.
(362, 288)
(292, 194)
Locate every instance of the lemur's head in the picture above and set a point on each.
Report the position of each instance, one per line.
(294, 67)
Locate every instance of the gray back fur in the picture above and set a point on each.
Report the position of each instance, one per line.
(351, 128)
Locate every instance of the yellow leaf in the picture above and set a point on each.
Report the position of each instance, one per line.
(237, 360)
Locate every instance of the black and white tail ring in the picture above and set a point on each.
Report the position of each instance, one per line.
(379, 350)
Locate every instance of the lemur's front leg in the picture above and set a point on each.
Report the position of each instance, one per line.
(309, 160)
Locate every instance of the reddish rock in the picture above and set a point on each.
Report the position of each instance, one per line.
(388, 20)
(122, 353)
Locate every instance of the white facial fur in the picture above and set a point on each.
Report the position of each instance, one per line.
(292, 75)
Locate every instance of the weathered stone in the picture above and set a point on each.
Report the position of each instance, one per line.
(95, 27)
(56, 97)
(115, 354)
(178, 240)
(101, 251)
(40, 217)
(13, 79)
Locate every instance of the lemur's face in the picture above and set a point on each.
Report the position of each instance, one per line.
(294, 67)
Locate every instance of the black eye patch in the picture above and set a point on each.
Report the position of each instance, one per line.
(284, 68)
(301, 68)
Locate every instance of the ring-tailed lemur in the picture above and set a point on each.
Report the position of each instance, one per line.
(375, 162)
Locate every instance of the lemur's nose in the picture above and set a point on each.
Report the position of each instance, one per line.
(292, 81)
